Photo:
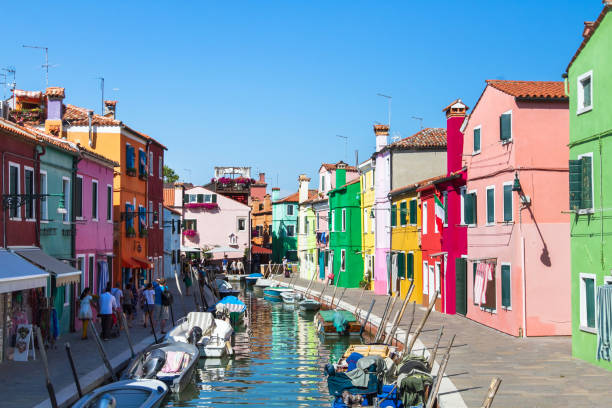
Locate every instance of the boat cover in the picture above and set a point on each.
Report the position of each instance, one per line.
(412, 387)
(203, 320)
(339, 382)
(360, 376)
(231, 304)
(328, 315)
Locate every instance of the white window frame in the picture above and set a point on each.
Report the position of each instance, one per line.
(83, 267)
(18, 167)
(66, 294)
(97, 214)
(475, 152)
(333, 213)
(607, 280)
(583, 312)
(82, 195)
(67, 203)
(592, 209)
(293, 234)
(580, 108)
(109, 203)
(150, 215)
(403, 223)
(501, 282)
(475, 192)
(150, 163)
(438, 278)
(492, 187)
(342, 257)
(238, 224)
(160, 216)
(365, 221)
(425, 278)
(344, 220)
(372, 221)
(462, 193)
(424, 215)
(511, 129)
(25, 168)
(44, 205)
(161, 167)
(508, 183)
(91, 286)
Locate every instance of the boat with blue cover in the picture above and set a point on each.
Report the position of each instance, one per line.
(337, 323)
(233, 307)
(273, 293)
(252, 278)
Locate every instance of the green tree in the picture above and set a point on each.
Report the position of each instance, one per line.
(170, 175)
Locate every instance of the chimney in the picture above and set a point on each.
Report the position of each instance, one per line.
(341, 173)
(455, 115)
(303, 188)
(275, 194)
(262, 178)
(54, 98)
(110, 109)
(382, 133)
(588, 28)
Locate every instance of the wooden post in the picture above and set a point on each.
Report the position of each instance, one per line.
(495, 383)
(178, 285)
(102, 351)
(43, 354)
(340, 298)
(377, 336)
(151, 322)
(432, 356)
(383, 324)
(127, 332)
(335, 289)
(172, 314)
(323, 291)
(422, 324)
(359, 302)
(401, 314)
(365, 322)
(436, 385)
(73, 369)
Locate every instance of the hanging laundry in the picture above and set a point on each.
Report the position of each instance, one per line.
(484, 274)
(604, 322)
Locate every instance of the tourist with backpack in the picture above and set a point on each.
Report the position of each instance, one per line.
(163, 299)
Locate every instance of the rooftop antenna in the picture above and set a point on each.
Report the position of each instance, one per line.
(345, 146)
(12, 85)
(396, 136)
(46, 64)
(389, 98)
(102, 90)
(420, 121)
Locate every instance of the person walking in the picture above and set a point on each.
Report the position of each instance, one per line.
(117, 293)
(107, 305)
(233, 267)
(161, 310)
(187, 280)
(85, 312)
(128, 307)
(224, 263)
(285, 270)
(149, 304)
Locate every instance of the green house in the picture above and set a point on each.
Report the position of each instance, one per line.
(590, 88)
(284, 227)
(345, 230)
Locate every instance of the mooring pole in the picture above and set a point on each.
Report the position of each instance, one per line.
(74, 372)
(365, 322)
(102, 351)
(127, 332)
(43, 353)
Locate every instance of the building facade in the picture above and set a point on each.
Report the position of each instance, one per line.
(368, 224)
(284, 226)
(307, 237)
(172, 243)
(155, 213)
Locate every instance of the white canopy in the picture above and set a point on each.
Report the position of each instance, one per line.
(189, 249)
(223, 249)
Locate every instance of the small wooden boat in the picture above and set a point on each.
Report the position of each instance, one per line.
(172, 363)
(264, 283)
(364, 350)
(273, 293)
(291, 297)
(337, 323)
(125, 394)
(226, 289)
(211, 336)
(309, 305)
(235, 278)
(252, 278)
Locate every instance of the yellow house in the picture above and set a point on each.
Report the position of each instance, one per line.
(368, 222)
(405, 260)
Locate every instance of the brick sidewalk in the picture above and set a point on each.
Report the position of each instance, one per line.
(536, 372)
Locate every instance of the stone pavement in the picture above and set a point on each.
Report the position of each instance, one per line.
(22, 384)
(536, 372)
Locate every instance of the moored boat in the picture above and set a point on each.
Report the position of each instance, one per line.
(291, 297)
(125, 394)
(252, 278)
(264, 283)
(211, 336)
(309, 305)
(233, 308)
(273, 293)
(337, 323)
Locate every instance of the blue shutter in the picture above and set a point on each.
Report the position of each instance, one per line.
(477, 140)
(129, 159)
(508, 202)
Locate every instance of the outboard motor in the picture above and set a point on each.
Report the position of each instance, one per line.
(351, 399)
(106, 401)
(154, 362)
(195, 334)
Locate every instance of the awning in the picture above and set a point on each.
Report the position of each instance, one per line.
(142, 263)
(18, 274)
(438, 254)
(260, 250)
(129, 263)
(64, 273)
(190, 249)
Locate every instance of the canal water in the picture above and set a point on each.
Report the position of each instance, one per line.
(279, 363)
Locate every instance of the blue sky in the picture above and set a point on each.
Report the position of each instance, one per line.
(270, 84)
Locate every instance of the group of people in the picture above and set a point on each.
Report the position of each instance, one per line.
(154, 300)
(235, 267)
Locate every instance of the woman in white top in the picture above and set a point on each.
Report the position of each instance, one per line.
(149, 295)
(85, 313)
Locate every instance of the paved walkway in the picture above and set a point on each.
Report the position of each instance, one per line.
(22, 384)
(536, 372)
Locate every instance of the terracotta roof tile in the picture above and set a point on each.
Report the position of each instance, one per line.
(350, 183)
(417, 185)
(55, 91)
(530, 89)
(332, 166)
(589, 29)
(428, 138)
(77, 116)
(295, 197)
(35, 135)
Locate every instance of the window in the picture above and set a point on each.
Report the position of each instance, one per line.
(476, 140)
(66, 192)
(581, 183)
(394, 215)
(410, 265)
(505, 126)
(142, 220)
(490, 205)
(94, 200)
(587, 302)
(129, 158)
(343, 219)
(401, 265)
(413, 211)
(424, 221)
(322, 184)
(365, 220)
(109, 203)
(160, 161)
(425, 278)
(290, 230)
(306, 226)
(160, 216)
(585, 93)
(78, 198)
(142, 163)
(190, 225)
(200, 198)
(44, 208)
(469, 208)
(150, 163)
(151, 220)
(342, 259)
(80, 264)
(506, 283)
(445, 202)
(437, 277)
(403, 213)
(14, 189)
(241, 224)
(372, 221)
(290, 209)
(508, 211)
(28, 179)
(90, 272)
(318, 222)
(333, 227)
(129, 218)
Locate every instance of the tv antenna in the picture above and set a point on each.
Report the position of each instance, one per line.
(102, 91)
(46, 65)
(389, 98)
(396, 136)
(11, 85)
(420, 121)
(346, 138)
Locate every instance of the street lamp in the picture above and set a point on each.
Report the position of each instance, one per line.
(17, 200)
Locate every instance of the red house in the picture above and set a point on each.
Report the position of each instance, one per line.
(155, 197)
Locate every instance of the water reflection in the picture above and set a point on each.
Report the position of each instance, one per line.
(281, 365)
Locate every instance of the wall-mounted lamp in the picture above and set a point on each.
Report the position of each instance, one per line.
(516, 186)
(372, 214)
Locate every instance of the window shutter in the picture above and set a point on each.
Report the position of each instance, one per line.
(508, 202)
(589, 286)
(477, 140)
(490, 206)
(401, 265)
(575, 184)
(394, 215)
(410, 265)
(474, 296)
(505, 286)
(587, 183)
(78, 197)
(505, 127)
(200, 198)
(413, 212)
(214, 198)
(469, 210)
(403, 211)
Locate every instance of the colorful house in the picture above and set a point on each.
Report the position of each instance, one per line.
(261, 230)
(172, 242)
(284, 226)
(590, 124)
(368, 224)
(518, 226)
(307, 238)
(345, 230)
(155, 214)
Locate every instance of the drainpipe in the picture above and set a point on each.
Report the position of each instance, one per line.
(37, 156)
(75, 161)
(89, 120)
(524, 287)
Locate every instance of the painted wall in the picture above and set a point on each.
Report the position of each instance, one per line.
(281, 242)
(172, 242)
(368, 224)
(155, 195)
(590, 253)
(431, 248)
(544, 179)
(409, 167)
(321, 214)
(307, 241)
(261, 216)
(382, 212)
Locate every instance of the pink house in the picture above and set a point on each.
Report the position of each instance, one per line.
(518, 256)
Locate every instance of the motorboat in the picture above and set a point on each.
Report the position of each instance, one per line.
(273, 293)
(309, 305)
(126, 394)
(291, 297)
(172, 363)
(211, 336)
(337, 323)
(252, 278)
(264, 283)
(233, 308)
(226, 289)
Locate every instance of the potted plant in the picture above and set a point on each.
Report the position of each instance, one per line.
(189, 233)
(143, 176)
(130, 233)
(143, 232)
(131, 171)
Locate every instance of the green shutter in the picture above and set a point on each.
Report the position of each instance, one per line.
(445, 208)
(410, 265)
(393, 215)
(401, 265)
(469, 204)
(403, 211)
(587, 183)
(461, 285)
(505, 286)
(214, 198)
(589, 286)
(200, 198)
(508, 202)
(477, 140)
(491, 206)
(505, 126)
(413, 212)
(575, 184)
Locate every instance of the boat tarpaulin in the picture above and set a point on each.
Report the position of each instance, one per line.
(64, 273)
(18, 274)
(231, 304)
